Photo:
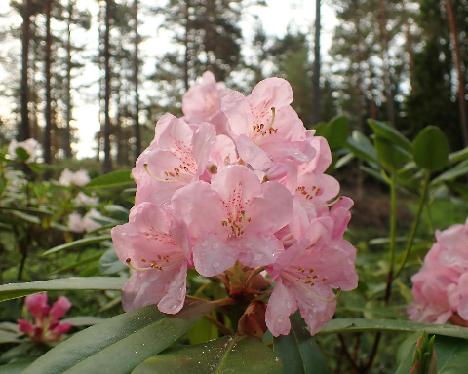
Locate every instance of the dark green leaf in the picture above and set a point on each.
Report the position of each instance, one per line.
(361, 146)
(336, 132)
(299, 352)
(457, 171)
(389, 133)
(114, 179)
(15, 367)
(346, 325)
(15, 290)
(77, 243)
(119, 344)
(431, 148)
(228, 355)
(109, 263)
(390, 155)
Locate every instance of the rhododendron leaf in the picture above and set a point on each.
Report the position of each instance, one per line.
(110, 264)
(457, 171)
(15, 367)
(390, 155)
(361, 146)
(117, 178)
(458, 156)
(77, 243)
(238, 354)
(345, 325)
(431, 148)
(119, 344)
(382, 130)
(15, 290)
(336, 132)
(298, 351)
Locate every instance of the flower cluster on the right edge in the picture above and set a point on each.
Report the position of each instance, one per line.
(238, 182)
(440, 288)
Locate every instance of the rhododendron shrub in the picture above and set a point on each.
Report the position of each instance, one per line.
(238, 183)
(440, 288)
(44, 325)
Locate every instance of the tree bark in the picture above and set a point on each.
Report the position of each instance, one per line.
(316, 94)
(459, 71)
(47, 146)
(136, 69)
(68, 106)
(107, 164)
(24, 131)
(186, 44)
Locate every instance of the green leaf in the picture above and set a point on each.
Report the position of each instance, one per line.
(299, 352)
(336, 132)
(110, 264)
(347, 325)
(15, 367)
(228, 355)
(457, 171)
(114, 179)
(452, 355)
(83, 321)
(390, 155)
(431, 148)
(458, 156)
(389, 133)
(361, 146)
(117, 345)
(15, 290)
(77, 243)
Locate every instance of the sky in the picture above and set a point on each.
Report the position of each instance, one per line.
(275, 17)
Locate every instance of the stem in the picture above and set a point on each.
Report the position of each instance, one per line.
(253, 274)
(393, 224)
(350, 358)
(388, 288)
(417, 219)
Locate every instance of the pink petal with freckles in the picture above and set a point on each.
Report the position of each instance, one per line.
(213, 255)
(462, 307)
(173, 300)
(236, 178)
(280, 307)
(37, 304)
(60, 308)
(175, 133)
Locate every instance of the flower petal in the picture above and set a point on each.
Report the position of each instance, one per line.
(280, 306)
(173, 300)
(213, 255)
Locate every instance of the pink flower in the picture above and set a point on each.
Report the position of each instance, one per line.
(30, 146)
(233, 218)
(177, 156)
(152, 245)
(87, 223)
(307, 272)
(440, 288)
(46, 326)
(69, 178)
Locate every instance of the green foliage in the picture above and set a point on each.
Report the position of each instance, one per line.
(431, 149)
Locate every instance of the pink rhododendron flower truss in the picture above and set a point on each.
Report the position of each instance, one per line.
(45, 326)
(238, 185)
(440, 288)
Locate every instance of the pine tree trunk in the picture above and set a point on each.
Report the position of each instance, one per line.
(24, 131)
(68, 106)
(47, 146)
(107, 164)
(382, 21)
(316, 94)
(186, 44)
(459, 71)
(136, 68)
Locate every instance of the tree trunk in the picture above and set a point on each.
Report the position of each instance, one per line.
(382, 21)
(68, 106)
(24, 131)
(459, 71)
(107, 164)
(47, 146)
(136, 69)
(316, 94)
(186, 44)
